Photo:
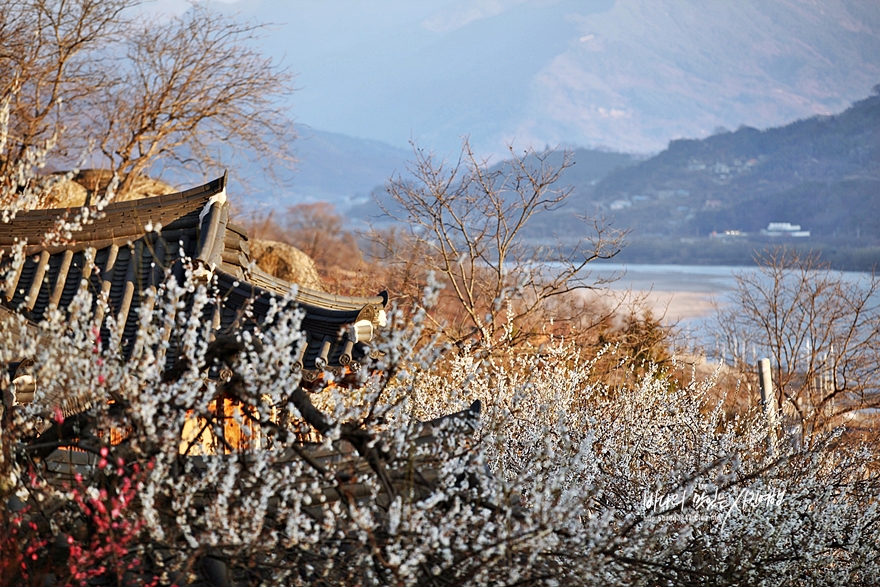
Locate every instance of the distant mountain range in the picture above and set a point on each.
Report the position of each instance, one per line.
(328, 167)
(707, 200)
(627, 75)
(587, 168)
(822, 173)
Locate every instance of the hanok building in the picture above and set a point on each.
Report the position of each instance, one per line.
(127, 254)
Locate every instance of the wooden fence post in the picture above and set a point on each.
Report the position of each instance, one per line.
(768, 400)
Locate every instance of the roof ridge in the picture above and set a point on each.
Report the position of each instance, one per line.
(121, 221)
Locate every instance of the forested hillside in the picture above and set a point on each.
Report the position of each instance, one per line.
(822, 173)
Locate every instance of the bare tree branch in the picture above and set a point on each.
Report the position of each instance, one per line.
(467, 222)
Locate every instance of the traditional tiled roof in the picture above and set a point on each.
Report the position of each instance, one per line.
(130, 255)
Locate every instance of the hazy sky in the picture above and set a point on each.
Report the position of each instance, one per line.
(624, 74)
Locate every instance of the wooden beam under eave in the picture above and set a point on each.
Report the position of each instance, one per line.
(89, 255)
(10, 291)
(61, 279)
(324, 357)
(345, 357)
(131, 278)
(107, 283)
(37, 283)
(155, 273)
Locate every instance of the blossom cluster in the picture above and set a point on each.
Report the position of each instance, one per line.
(547, 485)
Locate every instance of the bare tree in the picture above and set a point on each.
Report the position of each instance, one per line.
(318, 231)
(47, 70)
(193, 90)
(78, 75)
(821, 331)
(467, 222)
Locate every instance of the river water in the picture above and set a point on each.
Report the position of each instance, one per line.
(674, 292)
(682, 295)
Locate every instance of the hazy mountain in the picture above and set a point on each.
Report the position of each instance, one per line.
(329, 167)
(626, 74)
(822, 173)
(342, 169)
